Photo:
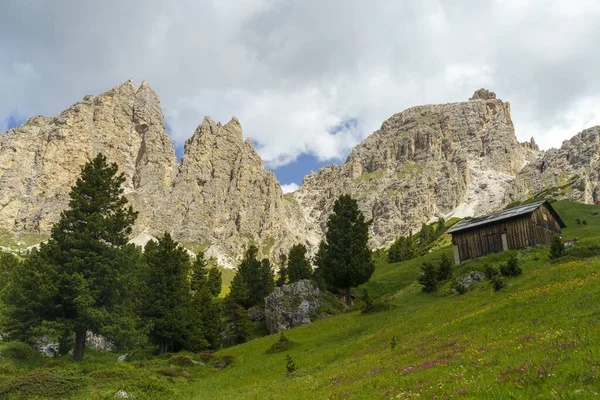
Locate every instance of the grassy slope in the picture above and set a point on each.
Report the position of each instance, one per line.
(537, 338)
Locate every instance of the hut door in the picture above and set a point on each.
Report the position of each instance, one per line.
(493, 243)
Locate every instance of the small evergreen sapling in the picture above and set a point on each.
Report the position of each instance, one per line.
(428, 277)
(511, 267)
(497, 282)
(369, 306)
(393, 343)
(490, 272)
(290, 366)
(444, 268)
(557, 248)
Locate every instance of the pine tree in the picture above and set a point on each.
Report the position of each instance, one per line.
(298, 265)
(237, 315)
(428, 277)
(282, 280)
(345, 256)
(445, 268)
(215, 281)
(557, 247)
(258, 277)
(167, 304)
(78, 273)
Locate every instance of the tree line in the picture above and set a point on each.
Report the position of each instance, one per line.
(87, 277)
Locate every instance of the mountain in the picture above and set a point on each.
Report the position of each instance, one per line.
(457, 159)
(219, 197)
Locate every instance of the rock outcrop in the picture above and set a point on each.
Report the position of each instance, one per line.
(457, 159)
(298, 304)
(220, 196)
(569, 173)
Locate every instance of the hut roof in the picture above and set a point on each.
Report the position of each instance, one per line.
(504, 215)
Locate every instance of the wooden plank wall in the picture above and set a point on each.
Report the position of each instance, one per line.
(526, 231)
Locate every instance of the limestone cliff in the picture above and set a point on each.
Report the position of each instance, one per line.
(220, 194)
(571, 172)
(428, 161)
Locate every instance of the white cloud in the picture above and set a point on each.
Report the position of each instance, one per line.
(292, 71)
(289, 187)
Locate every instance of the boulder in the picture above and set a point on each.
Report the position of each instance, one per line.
(298, 304)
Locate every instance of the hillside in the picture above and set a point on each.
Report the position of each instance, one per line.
(537, 338)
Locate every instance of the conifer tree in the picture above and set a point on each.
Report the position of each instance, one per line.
(258, 277)
(282, 280)
(237, 315)
(167, 304)
(298, 265)
(215, 281)
(74, 281)
(345, 255)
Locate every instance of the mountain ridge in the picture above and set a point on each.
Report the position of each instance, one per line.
(454, 159)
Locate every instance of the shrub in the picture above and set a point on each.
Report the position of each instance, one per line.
(290, 366)
(511, 267)
(460, 287)
(429, 277)
(445, 268)
(557, 248)
(578, 221)
(490, 272)
(151, 388)
(183, 361)
(497, 282)
(393, 343)
(369, 306)
(17, 351)
(584, 222)
(283, 344)
(41, 384)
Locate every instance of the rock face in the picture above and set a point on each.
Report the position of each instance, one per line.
(460, 159)
(455, 159)
(571, 172)
(221, 193)
(298, 304)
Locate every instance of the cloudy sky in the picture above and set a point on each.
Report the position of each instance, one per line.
(308, 79)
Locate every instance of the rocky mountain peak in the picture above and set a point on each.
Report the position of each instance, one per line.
(483, 94)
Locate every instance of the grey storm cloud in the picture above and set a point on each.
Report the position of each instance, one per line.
(295, 72)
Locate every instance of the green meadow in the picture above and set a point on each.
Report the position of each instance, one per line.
(539, 337)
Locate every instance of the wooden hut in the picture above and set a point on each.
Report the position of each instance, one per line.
(515, 228)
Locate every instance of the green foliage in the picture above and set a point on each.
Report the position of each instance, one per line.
(258, 277)
(298, 265)
(290, 366)
(80, 279)
(497, 282)
(41, 384)
(283, 274)
(167, 304)
(445, 267)
(402, 249)
(283, 344)
(394, 342)
(578, 221)
(557, 248)
(369, 305)
(215, 281)
(584, 222)
(344, 257)
(460, 287)
(16, 351)
(428, 277)
(490, 271)
(511, 267)
(240, 326)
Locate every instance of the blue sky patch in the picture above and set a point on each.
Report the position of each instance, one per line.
(295, 171)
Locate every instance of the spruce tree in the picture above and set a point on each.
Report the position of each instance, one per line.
(345, 255)
(215, 281)
(298, 265)
(258, 277)
(237, 315)
(167, 304)
(282, 280)
(76, 277)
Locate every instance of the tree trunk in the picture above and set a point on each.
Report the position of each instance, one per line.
(348, 298)
(163, 346)
(79, 344)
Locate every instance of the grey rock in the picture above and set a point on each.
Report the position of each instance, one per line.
(298, 304)
(483, 94)
(46, 346)
(121, 394)
(122, 358)
(98, 342)
(470, 279)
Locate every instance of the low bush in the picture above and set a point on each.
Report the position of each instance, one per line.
(41, 384)
(428, 277)
(557, 248)
(511, 267)
(183, 360)
(497, 282)
(290, 366)
(460, 287)
(283, 344)
(490, 271)
(17, 351)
